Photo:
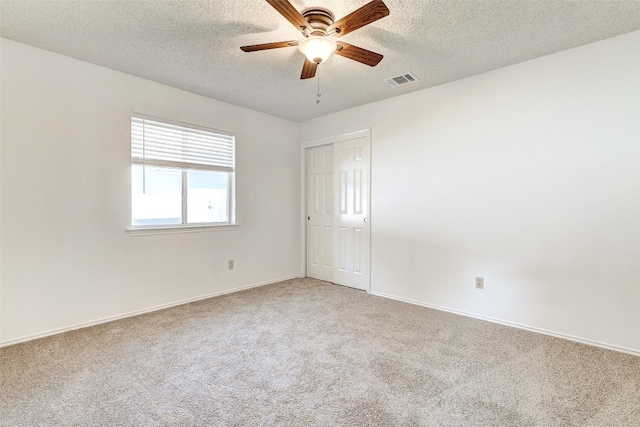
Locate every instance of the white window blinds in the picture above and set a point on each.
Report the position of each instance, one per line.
(166, 144)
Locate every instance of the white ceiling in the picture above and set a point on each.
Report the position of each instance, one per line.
(194, 44)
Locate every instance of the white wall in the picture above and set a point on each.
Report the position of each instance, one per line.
(65, 170)
(528, 176)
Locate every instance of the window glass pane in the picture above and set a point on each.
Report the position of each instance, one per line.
(160, 201)
(207, 196)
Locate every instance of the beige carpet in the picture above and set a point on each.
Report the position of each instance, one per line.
(307, 353)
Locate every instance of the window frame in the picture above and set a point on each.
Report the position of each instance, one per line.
(183, 168)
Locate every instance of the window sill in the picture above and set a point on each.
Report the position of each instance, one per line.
(179, 229)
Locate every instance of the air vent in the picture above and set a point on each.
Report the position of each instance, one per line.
(402, 79)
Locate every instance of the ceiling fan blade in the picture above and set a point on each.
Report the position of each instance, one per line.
(367, 14)
(308, 69)
(291, 14)
(358, 54)
(265, 46)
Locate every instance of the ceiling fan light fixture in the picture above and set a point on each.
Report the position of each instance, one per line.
(317, 49)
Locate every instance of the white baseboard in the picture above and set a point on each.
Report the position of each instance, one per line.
(511, 324)
(139, 312)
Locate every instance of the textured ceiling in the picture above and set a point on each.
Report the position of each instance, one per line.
(194, 44)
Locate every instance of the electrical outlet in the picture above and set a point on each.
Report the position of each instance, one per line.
(230, 264)
(479, 283)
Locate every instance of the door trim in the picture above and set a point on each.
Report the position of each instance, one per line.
(303, 191)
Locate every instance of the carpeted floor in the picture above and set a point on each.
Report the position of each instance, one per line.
(307, 353)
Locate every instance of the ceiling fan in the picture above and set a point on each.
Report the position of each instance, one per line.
(320, 30)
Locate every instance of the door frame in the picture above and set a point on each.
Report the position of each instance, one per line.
(303, 191)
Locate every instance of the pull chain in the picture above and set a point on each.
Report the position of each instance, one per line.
(319, 94)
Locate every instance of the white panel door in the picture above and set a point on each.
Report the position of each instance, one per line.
(320, 212)
(351, 223)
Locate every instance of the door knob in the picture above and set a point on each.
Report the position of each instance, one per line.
(308, 218)
(365, 220)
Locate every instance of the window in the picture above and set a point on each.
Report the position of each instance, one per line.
(180, 174)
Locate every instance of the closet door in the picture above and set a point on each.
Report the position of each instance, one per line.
(320, 183)
(351, 230)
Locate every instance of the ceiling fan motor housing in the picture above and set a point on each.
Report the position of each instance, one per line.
(319, 19)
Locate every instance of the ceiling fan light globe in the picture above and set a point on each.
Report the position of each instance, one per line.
(317, 49)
